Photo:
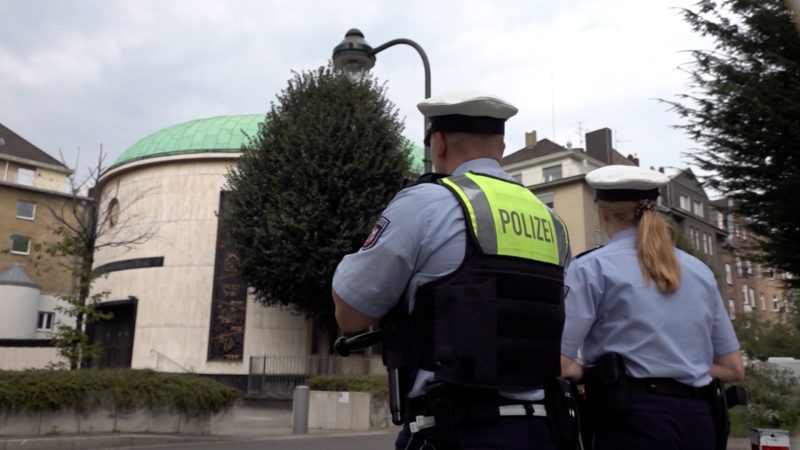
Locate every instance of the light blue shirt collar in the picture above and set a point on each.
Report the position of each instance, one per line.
(626, 234)
(483, 165)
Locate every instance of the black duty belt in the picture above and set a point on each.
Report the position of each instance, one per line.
(667, 386)
(476, 405)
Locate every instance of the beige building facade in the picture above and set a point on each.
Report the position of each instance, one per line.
(556, 174)
(178, 304)
(32, 192)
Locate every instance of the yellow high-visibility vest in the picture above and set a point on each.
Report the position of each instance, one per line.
(507, 219)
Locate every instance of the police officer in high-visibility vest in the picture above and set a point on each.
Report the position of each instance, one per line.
(474, 262)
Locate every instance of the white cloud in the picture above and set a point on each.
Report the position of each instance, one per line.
(114, 72)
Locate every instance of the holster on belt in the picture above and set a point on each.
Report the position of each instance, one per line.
(721, 401)
(562, 413)
(436, 402)
(607, 385)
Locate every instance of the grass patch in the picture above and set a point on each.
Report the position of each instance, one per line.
(374, 384)
(84, 390)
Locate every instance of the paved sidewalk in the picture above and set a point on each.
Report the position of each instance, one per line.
(249, 422)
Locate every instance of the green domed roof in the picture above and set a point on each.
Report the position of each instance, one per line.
(221, 134)
(211, 135)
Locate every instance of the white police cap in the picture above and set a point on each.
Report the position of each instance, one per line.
(472, 104)
(466, 112)
(619, 182)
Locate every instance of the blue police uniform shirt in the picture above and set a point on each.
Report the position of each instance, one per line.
(609, 308)
(423, 239)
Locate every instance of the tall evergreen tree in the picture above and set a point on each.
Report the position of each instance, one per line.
(325, 162)
(744, 111)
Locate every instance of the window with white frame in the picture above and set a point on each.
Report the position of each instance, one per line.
(752, 297)
(45, 321)
(749, 268)
(732, 308)
(762, 302)
(728, 277)
(697, 208)
(26, 176)
(517, 178)
(552, 173)
(745, 300)
(744, 295)
(683, 202)
(720, 221)
(775, 303)
(738, 266)
(711, 244)
(26, 210)
(20, 245)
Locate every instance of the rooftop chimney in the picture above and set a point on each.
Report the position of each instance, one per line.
(530, 139)
(598, 144)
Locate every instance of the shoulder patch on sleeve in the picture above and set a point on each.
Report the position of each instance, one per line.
(587, 252)
(376, 233)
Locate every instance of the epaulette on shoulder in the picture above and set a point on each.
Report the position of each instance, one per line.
(430, 177)
(579, 255)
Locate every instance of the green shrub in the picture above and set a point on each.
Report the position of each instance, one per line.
(740, 422)
(773, 397)
(35, 390)
(374, 384)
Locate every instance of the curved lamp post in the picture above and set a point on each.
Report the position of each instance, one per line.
(354, 56)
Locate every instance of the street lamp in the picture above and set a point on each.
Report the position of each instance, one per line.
(354, 56)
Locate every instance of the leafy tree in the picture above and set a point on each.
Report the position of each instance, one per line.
(308, 187)
(83, 226)
(744, 110)
(773, 396)
(763, 339)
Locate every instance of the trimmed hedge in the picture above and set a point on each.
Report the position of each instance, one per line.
(374, 384)
(35, 390)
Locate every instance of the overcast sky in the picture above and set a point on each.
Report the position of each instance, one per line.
(78, 73)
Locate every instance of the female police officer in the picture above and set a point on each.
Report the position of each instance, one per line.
(476, 261)
(659, 309)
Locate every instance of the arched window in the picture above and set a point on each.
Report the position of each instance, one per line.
(113, 212)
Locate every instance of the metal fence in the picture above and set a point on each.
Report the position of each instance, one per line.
(276, 376)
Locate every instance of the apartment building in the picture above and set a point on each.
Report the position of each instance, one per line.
(556, 174)
(32, 189)
(749, 288)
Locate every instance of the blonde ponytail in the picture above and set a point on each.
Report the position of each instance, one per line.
(656, 249)
(655, 245)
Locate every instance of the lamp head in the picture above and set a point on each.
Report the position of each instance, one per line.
(353, 56)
